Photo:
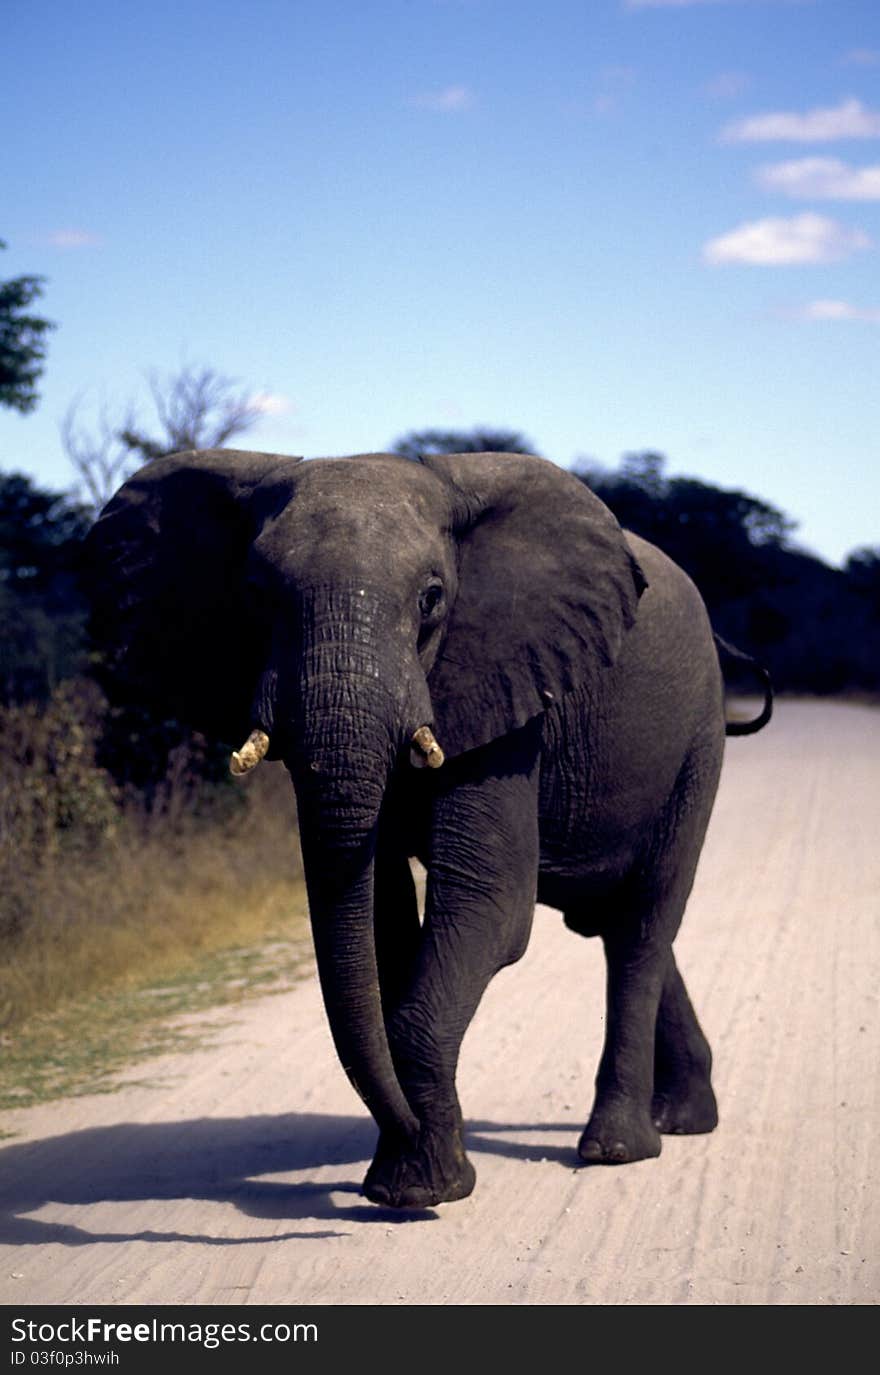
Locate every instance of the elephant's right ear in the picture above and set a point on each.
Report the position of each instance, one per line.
(165, 573)
(548, 588)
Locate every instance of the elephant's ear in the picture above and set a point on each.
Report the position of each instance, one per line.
(547, 589)
(165, 570)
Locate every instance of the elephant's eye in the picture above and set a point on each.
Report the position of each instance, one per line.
(431, 599)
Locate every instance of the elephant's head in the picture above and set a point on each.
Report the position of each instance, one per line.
(345, 615)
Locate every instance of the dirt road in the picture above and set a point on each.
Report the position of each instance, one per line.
(232, 1177)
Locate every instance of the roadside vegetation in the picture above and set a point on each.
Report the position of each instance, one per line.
(138, 881)
(99, 885)
(120, 907)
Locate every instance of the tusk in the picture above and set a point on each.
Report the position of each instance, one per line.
(424, 750)
(252, 751)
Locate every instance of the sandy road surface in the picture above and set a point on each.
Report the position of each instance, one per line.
(233, 1177)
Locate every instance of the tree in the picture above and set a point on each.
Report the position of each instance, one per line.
(42, 614)
(814, 627)
(99, 456)
(861, 572)
(477, 441)
(715, 533)
(862, 569)
(22, 342)
(196, 408)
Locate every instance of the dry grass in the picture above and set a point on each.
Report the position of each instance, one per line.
(116, 920)
(99, 893)
(85, 1043)
(149, 898)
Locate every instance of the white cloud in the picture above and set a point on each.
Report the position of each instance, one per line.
(821, 179)
(849, 119)
(270, 403)
(73, 238)
(838, 310)
(448, 100)
(777, 242)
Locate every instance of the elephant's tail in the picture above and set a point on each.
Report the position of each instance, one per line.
(730, 651)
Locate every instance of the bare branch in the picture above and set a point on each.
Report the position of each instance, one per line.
(198, 409)
(102, 459)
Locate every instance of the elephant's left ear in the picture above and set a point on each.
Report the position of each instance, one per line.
(547, 589)
(165, 570)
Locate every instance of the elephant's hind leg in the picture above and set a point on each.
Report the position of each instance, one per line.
(655, 1062)
(683, 1102)
(620, 1127)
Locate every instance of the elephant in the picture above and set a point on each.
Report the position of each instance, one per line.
(461, 659)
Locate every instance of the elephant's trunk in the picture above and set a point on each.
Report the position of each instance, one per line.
(340, 889)
(345, 736)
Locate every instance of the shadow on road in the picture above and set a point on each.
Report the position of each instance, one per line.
(224, 1160)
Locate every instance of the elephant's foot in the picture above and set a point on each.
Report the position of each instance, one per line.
(685, 1111)
(436, 1171)
(618, 1133)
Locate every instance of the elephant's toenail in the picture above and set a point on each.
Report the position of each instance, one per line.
(590, 1151)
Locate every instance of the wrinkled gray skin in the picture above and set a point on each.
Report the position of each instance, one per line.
(570, 676)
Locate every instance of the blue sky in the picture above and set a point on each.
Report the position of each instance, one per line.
(611, 225)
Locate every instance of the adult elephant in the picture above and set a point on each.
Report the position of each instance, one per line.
(483, 612)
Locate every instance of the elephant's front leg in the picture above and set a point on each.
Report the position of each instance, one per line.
(482, 879)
